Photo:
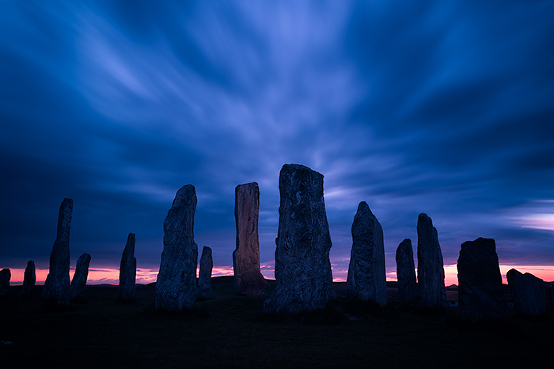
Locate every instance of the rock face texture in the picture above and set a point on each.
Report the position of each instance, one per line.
(366, 272)
(405, 270)
(528, 292)
(480, 294)
(176, 287)
(79, 282)
(56, 286)
(205, 274)
(128, 270)
(302, 267)
(430, 271)
(246, 257)
(29, 279)
(5, 276)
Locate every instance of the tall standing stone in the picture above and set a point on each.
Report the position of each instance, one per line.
(405, 270)
(302, 266)
(128, 270)
(176, 287)
(5, 276)
(430, 271)
(79, 282)
(528, 292)
(205, 274)
(246, 257)
(56, 286)
(29, 279)
(366, 272)
(480, 295)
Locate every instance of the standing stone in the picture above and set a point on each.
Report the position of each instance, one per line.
(405, 270)
(79, 282)
(480, 294)
(56, 286)
(302, 266)
(246, 257)
(176, 284)
(205, 274)
(128, 270)
(430, 271)
(366, 272)
(29, 279)
(5, 276)
(528, 292)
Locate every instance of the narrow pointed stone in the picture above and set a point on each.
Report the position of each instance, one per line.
(246, 257)
(128, 270)
(56, 286)
(366, 272)
(176, 287)
(5, 276)
(405, 270)
(29, 279)
(528, 292)
(430, 270)
(302, 266)
(79, 282)
(205, 274)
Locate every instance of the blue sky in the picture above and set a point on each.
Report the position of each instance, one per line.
(439, 107)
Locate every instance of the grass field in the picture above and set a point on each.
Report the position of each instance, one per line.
(231, 331)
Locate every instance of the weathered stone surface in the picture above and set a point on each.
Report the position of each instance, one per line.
(302, 266)
(56, 286)
(128, 270)
(246, 257)
(176, 287)
(405, 270)
(430, 271)
(366, 272)
(528, 292)
(79, 282)
(480, 294)
(29, 279)
(5, 276)
(205, 274)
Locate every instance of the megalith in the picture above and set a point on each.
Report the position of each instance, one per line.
(366, 272)
(205, 274)
(128, 270)
(405, 270)
(302, 266)
(79, 281)
(29, 279)
(176, 287)
(528, 292)
(246, 257)
(480, 295)
(430, 271)
(5, 276)
(57, 286)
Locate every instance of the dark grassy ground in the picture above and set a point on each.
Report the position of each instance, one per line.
(231, 331)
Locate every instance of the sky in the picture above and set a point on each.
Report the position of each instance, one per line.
(443, 108)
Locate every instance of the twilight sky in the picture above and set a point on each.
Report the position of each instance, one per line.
(439, 107)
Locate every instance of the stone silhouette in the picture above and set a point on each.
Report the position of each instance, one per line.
(5, 276)
(246, 257)
(205, 274)
(528, 292)
(56, 286)
(480, 294)
(405, 270)
(128, 270)
(302, 266)
(29, 279)
(366, 272)
(79, 282)
(430, 271)
(176, 287)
